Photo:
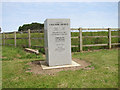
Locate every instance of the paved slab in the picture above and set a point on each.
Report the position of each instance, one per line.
(45, 66)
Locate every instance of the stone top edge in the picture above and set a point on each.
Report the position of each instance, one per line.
(57, 19)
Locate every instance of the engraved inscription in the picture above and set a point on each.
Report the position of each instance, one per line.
(60, 47)
(58, 24)
(59, 33)
(59, 39)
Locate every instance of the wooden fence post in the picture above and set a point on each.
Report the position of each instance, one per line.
(29, 40)
(3, 38)
(80, 39)
(109, 38)
(15, 38)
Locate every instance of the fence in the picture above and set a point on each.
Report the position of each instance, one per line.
(79, 37)
(27, 37)
(109, 44)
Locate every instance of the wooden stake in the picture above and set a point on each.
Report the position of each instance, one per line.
(109, 38)
(80, 39)
(3, 38)
(15, 38)
(29, 40)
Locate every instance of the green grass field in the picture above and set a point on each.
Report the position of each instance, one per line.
(104, 74)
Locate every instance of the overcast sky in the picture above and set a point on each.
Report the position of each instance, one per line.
(81, 14)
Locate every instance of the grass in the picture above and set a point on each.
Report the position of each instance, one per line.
(105, 74)
(11, 53)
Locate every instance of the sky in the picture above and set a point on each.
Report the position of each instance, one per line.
(81, 14)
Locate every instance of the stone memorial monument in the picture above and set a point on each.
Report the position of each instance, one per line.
(57, 37)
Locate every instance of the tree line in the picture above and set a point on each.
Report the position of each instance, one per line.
(32, 26)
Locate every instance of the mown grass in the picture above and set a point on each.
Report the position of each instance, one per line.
(104, 74)
(12, 53)
(75, 41)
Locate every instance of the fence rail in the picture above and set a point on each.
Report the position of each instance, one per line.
(95, 28)
(80, 37)
(109, 37)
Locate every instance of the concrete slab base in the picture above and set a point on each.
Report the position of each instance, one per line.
(45, 66)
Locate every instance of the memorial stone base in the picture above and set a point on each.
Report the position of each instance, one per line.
(44, 65)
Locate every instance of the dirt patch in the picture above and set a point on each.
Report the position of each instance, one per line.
(36, 68)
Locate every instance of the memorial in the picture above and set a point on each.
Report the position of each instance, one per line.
(57, 37)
